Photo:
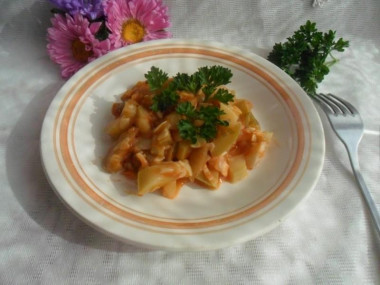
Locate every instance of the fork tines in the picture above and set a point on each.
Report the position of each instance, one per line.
(333, 104)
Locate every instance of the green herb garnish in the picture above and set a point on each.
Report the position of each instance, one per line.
(183, 81)
(210, 117)
(165, 100)
(200, 122)
(156, 78)
(303, 56)
(207, 118)
(187, 109)
(215, 75)
(187, 130)
(223, 96)
(208, 77)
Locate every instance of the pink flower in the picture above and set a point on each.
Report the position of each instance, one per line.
(132, 21)
(72, 43)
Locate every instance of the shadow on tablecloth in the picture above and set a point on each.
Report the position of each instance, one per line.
(31, 187)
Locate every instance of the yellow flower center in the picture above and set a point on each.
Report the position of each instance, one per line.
(79, 51)
(132, 31)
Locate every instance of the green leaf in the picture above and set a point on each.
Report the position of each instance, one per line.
(183, 81)
(215, 75)
(187, 109)
(209, 113)
(187, 130)
(165, 100)
(223, 96)
(208, 131)
(156, 78)
(208, 90)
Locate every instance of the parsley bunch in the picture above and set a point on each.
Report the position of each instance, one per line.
(303, 56)
(201, 122)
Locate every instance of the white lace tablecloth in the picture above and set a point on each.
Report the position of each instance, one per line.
(327, 240)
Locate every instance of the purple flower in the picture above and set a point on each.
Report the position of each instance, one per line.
(91, 9)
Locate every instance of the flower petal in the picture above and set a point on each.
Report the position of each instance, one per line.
(152, 15)
(64, 31)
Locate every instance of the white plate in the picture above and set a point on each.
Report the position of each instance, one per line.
(74, 144)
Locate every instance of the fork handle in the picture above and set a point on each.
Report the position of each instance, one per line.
(353, 155)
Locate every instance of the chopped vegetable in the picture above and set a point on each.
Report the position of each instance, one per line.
(238, 169)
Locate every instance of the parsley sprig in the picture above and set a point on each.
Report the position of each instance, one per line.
(200, 122)
(186, 82)
(207, 118)
(156, 78)
(303, 56)
(165, 100)
(222, 95)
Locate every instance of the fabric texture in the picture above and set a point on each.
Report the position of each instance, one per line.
(328, 239)
(319, 3)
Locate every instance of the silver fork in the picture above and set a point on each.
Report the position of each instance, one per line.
(346, 122)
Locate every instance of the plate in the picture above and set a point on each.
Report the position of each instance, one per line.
(74, 144)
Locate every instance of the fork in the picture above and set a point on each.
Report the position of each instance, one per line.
(346, 122)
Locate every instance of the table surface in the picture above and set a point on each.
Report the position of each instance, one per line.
(328, 239)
